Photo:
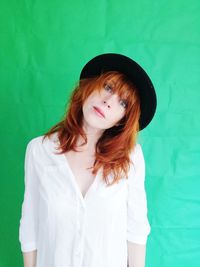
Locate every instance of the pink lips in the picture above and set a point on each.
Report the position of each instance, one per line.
(99, 111)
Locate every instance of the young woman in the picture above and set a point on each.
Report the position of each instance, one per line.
(85, 202)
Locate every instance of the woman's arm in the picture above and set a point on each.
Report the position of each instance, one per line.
(138, 227)
(30, 258)
(28, 228)
(136, 254)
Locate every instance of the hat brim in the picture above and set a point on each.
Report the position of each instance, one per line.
(117, 62)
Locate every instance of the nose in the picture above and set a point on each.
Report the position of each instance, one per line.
(110, 100)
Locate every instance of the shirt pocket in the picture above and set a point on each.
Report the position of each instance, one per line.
(57, 189)
(113, 198)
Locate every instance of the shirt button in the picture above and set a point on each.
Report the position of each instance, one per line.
(79, 226)
(78, 250)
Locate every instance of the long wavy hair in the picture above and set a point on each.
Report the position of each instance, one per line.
(114, 146)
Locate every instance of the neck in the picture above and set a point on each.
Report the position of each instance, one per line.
(93, 135)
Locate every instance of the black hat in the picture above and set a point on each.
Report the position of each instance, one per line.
(117, 62)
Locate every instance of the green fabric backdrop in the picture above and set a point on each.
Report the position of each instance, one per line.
(44, 45)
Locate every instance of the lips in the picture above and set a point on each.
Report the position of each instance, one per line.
(99, 111)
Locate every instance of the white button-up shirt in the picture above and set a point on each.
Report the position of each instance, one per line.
(69, 230)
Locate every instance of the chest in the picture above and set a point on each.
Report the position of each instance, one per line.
(82, 172)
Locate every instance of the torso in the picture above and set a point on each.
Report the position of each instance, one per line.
(79, 162)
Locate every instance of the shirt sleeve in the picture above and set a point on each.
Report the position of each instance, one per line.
(29, 213)
(138, 227)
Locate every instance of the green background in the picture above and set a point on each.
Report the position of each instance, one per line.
(44, 45)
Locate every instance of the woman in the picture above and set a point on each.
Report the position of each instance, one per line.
(85, 202)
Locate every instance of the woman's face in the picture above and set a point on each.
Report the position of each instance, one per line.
(103, 109)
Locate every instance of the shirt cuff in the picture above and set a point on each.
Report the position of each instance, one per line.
(140, 239)
(28, 247)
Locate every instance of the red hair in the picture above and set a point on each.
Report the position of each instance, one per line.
(115, 145)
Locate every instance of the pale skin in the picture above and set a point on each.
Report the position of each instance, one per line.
(94, 125)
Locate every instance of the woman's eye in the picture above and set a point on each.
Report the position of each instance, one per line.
(123, 103)
(108, 88)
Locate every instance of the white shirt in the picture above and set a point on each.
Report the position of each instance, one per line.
(71, 231)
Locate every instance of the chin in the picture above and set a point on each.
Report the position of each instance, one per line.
(93, 121)
(96, 124)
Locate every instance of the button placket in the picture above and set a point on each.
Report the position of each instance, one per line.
(80, 227)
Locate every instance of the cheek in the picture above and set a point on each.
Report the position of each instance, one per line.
(118, 115)
(113, 120)
(85, 108)
(90, 100)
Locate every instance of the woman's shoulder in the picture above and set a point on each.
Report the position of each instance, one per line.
(137, 156)
(42, 139)
(42, 142)
(42, 147)
(35, 142)
(137, 166)
(137, 150)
